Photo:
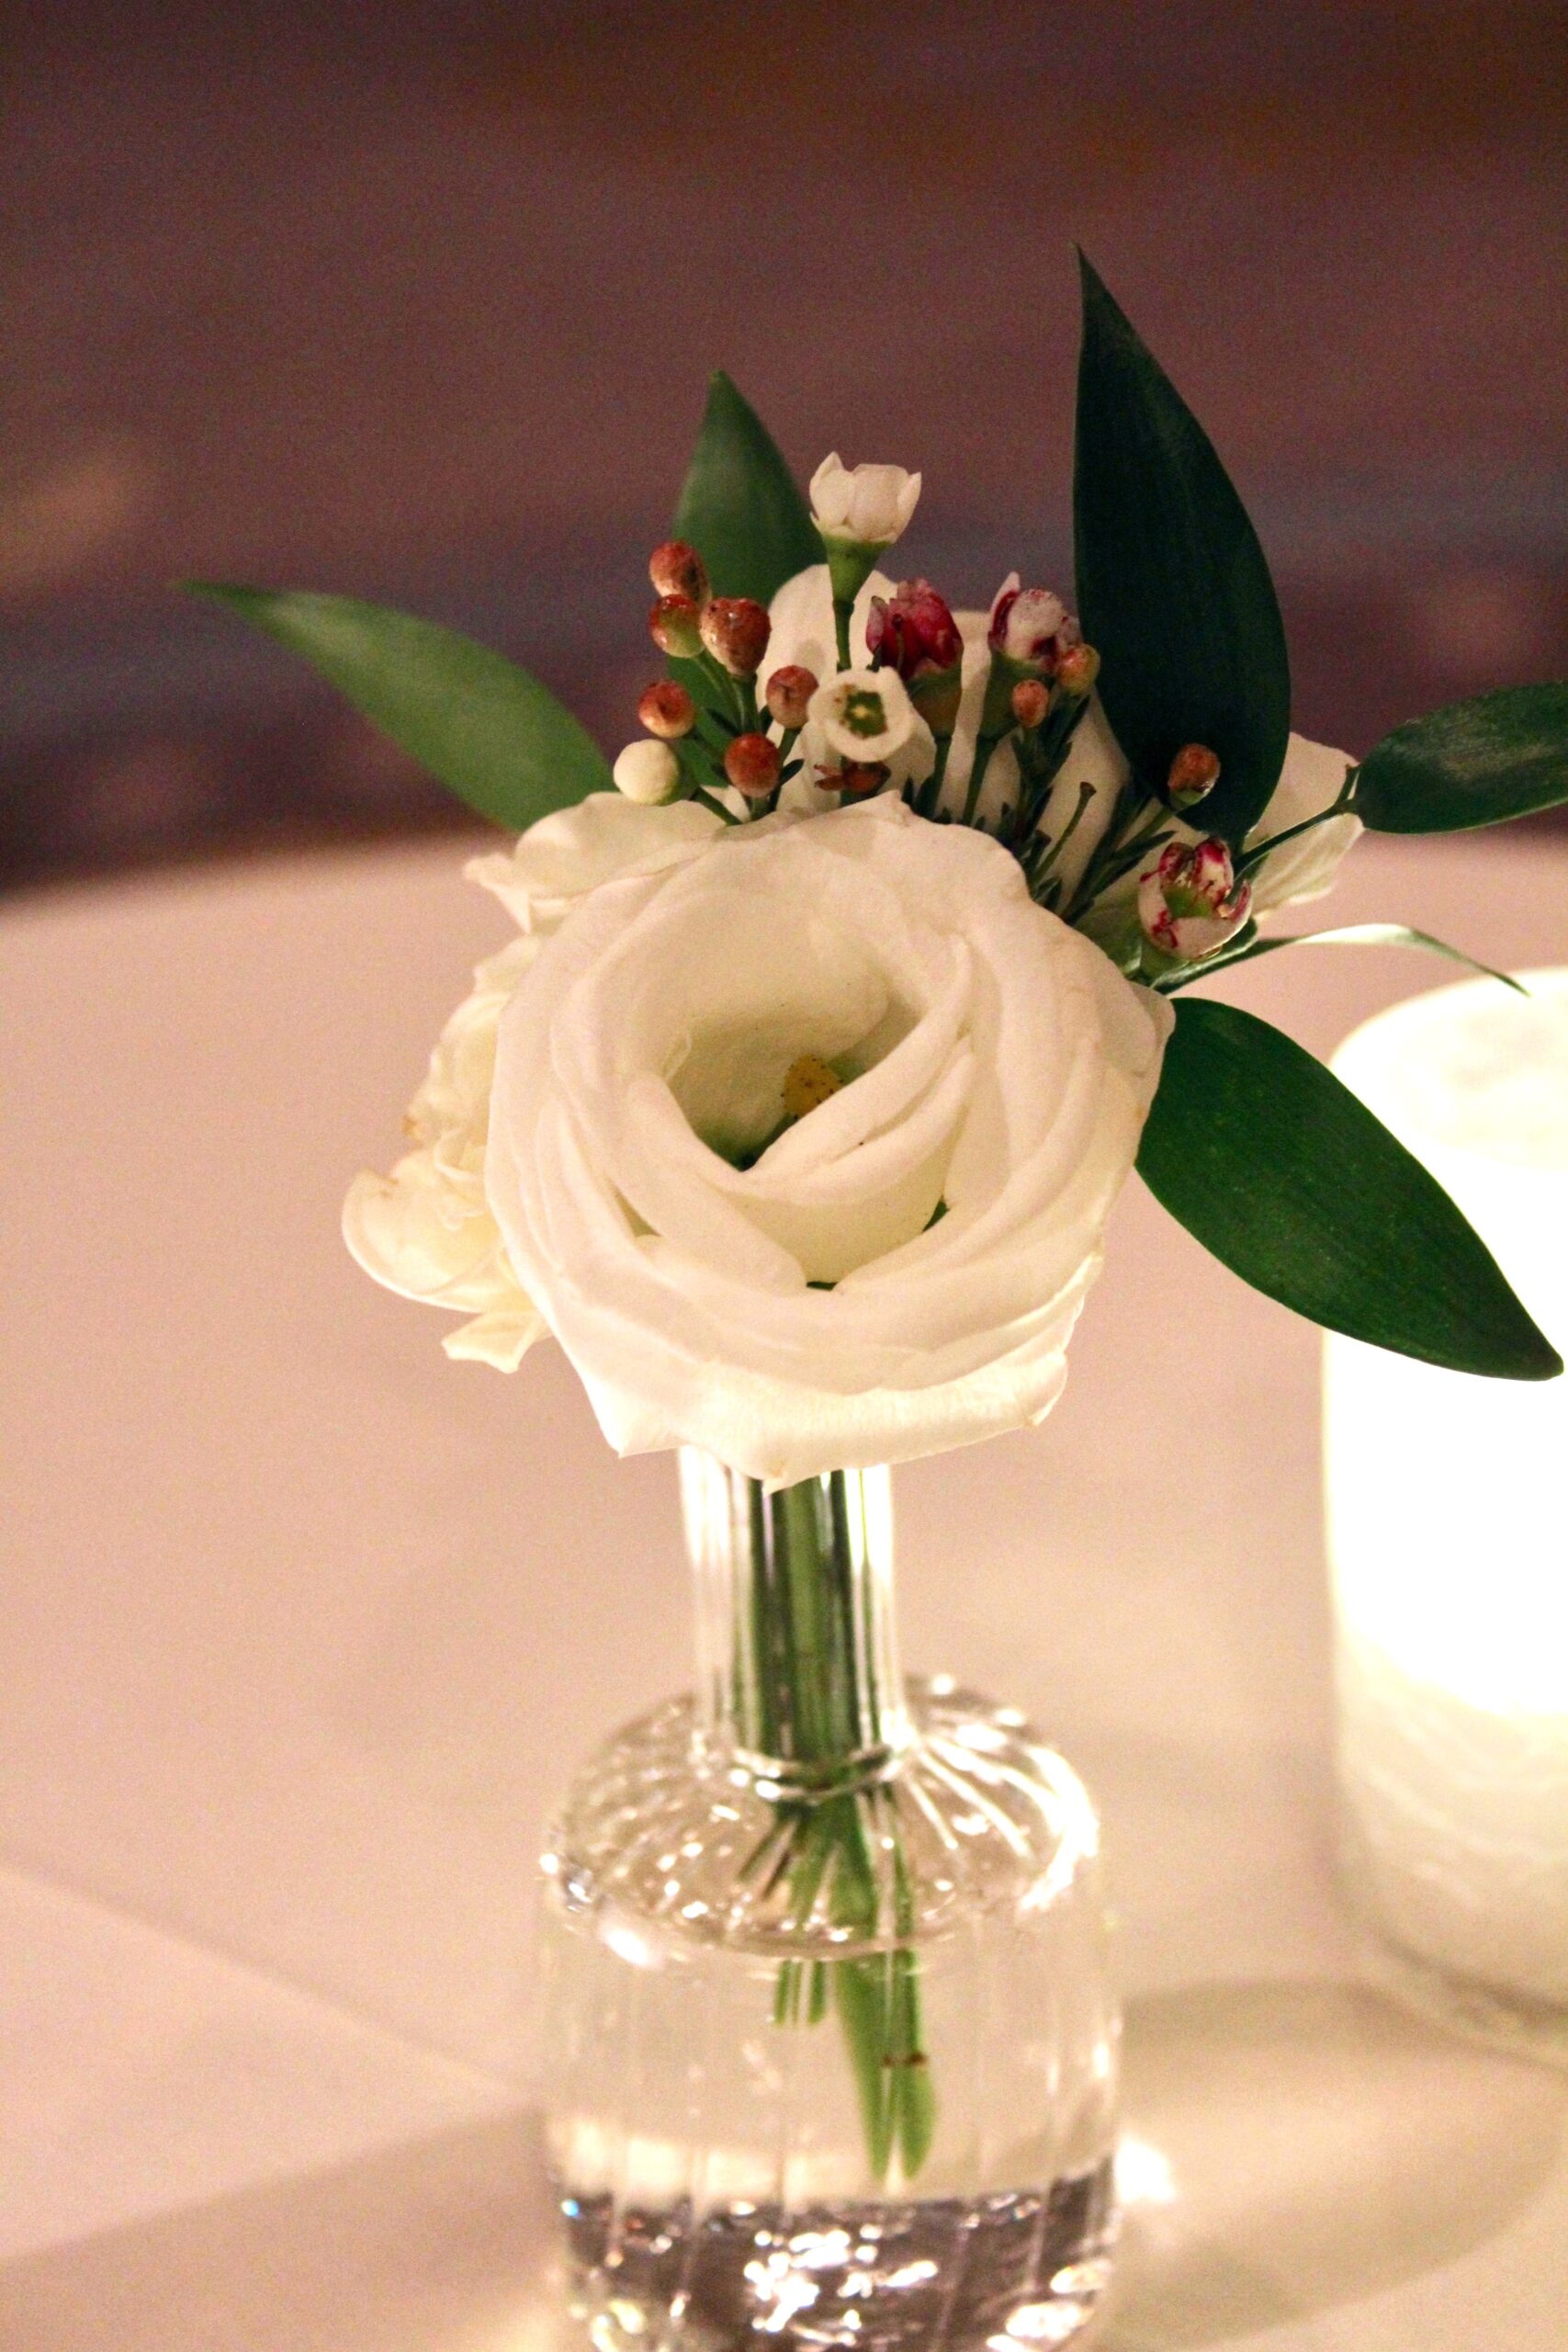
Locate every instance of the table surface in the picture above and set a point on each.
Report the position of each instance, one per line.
(302, 1627)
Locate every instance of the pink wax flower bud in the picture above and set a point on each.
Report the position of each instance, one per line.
(913, 634)
(675, 627)
(667, 710)
(1030, 701)
(1031, 626)
(751, 764)
(736, 630)
(1189, 903)
(857, 779)
(1078, 666)
(788, 695)
(1194, 772)
(677, 570)
(913, 630)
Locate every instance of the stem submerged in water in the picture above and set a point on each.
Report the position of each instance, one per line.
(811, 1698)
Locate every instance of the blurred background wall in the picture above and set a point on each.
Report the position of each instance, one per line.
(416, 301)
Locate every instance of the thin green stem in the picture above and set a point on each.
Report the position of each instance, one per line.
(708, 801)
(984, 747)
(843, 613)
(1252, 859)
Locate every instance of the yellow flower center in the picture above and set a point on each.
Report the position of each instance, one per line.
(807, 1082)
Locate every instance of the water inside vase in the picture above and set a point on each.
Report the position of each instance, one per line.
(708, 2133)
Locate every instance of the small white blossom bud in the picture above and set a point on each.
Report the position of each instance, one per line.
(648, 772)
(867, 506)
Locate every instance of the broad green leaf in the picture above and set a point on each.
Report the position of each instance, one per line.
(485, 728)
(1173, 589)
(740, 507)
(1273, 1165)
(1352, 934)
(1472, 764)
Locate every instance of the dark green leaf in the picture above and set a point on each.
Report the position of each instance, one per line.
(482, 727)
(741, 508)
(1172, 585)
(1353, 934)
(1472, 764)
(1276, 1167)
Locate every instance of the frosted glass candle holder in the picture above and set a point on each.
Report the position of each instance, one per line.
(1448, 1534)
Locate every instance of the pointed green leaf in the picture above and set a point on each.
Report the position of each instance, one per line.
(485, 728)
(1351, 934)
(1474, 763)
(1273, 1165)
(740, 507)
(1173, 589)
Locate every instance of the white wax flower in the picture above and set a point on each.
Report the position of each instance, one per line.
(802, 622)
(426, 1230)
(793, 1300)
(868, 506)
(865, 715)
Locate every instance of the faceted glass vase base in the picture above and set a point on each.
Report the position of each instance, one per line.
(938, 2273)
(707, 2127)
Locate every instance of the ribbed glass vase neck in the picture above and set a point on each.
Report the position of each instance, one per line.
(798, 1662)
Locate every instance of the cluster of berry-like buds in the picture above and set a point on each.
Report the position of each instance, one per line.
(700, 746)
(1190, 904)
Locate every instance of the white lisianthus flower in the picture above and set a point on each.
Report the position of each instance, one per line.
(897, 1273)
(426, 1230)
(866, 505)
(557, 862)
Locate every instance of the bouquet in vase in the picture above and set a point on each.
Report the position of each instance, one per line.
(829, 1022)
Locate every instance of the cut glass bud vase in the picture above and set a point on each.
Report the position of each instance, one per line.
(830, 2042)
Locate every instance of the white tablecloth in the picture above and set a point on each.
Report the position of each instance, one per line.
(303, 1626)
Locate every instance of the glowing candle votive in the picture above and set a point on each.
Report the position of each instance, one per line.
(1448, 1535)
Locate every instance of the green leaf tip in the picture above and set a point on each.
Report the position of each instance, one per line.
(1481, 762)
(1173, 587)
(1287, 1178)
(741, 506)
(484, 728)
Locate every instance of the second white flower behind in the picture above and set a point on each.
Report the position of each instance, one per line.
(895, 1273)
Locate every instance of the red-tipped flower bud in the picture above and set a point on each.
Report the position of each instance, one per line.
(913, 634)
(1190, 903)
(677, 570)
(859, 780)
(1194, 772)
(1031, 628)
(1030, 701)
(675, 627)
(789, 692)
(751, 764)
(667, 710)
(736, 632)
(912, 631)
(1078, 666)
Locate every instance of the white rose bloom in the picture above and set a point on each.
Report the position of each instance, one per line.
(791, 1300)
(871, 505)
(426, 1230)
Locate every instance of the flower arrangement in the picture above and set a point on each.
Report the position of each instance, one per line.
(837, 1012)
